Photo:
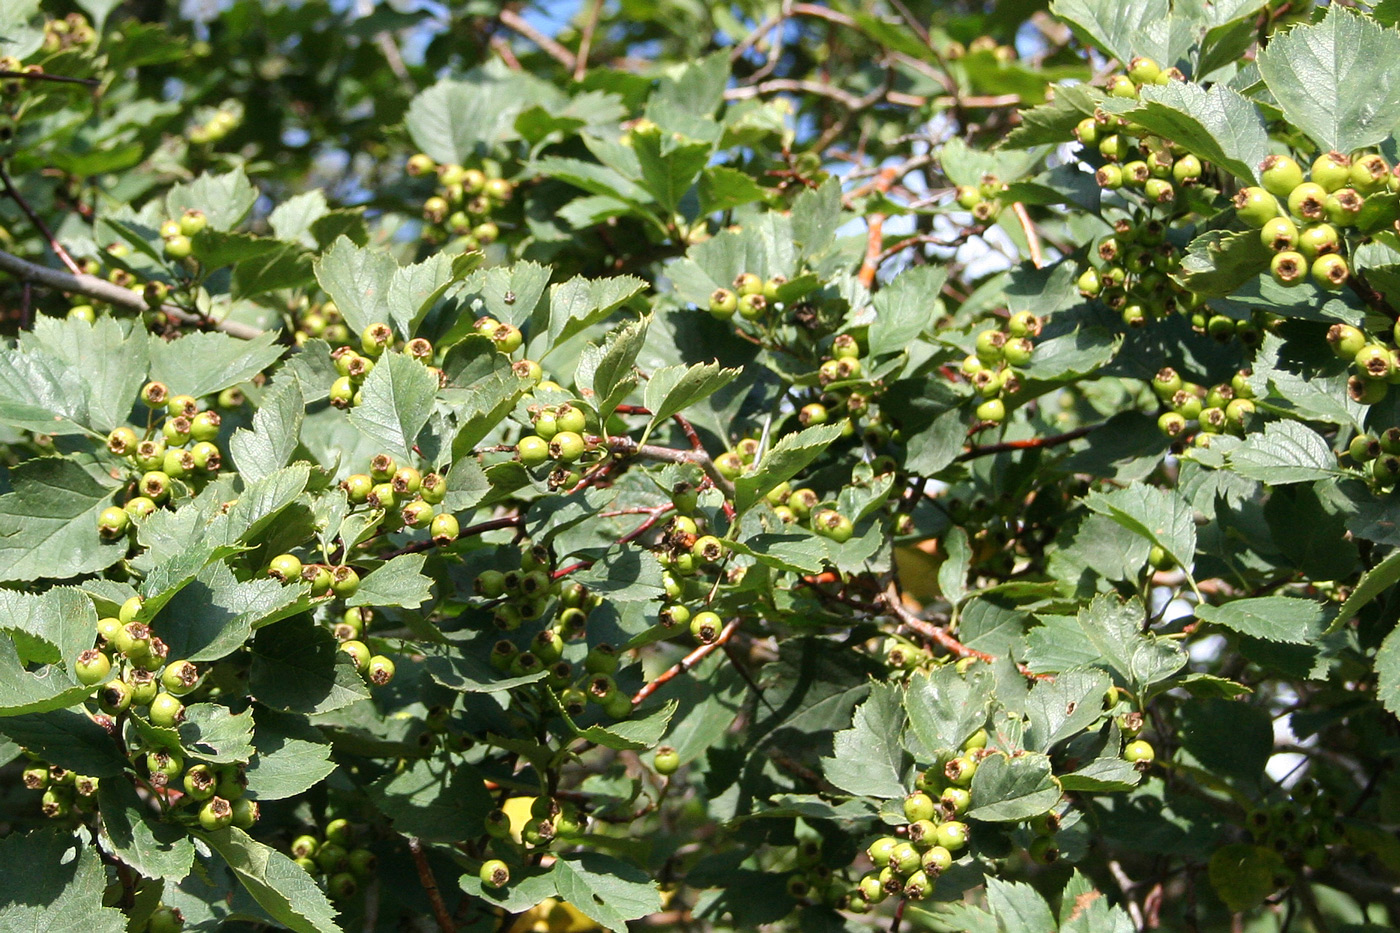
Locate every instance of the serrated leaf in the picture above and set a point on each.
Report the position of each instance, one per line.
(792, 454)
(155, 849)
(669, 165)
(48, 524)
(292, 219)
(215, 613)
(1161, 516)
(1102, 776)
(202, 364)
(604, 375)
(606, 889)
(434, 800)
(110, 360)
(280, 886)
(944, 710)
(397, 582)
(395, 402)
(357, 279)
(1336, 80)
(1218, 125)
(41, 691)
(298, 667)
(1106, 634)
(225, 199)
(1219, 262)
(53, 883)
(867, 759)
(1018, 907)
(1060, 708)
(1284, 452)
(1243, 875)
(952, 573)
(634, 734)
(51, 627)
(1388, 672)
(68, 739)
(211, 733)
(1373, 583)
(904, 308)
(1273, 618)
(581, 302)
(275, 434)
(672, 389)
(1007, 789)
(415, 288)
(456, 121)
(292, 756)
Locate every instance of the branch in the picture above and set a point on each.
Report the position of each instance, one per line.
(427, 544)
(1033, 443)
(1032, 238)
(425, 875)
(41, 76)
(630, 448)
(686, 663)
(585, 44)
(1372, 298)
(516, 23)
(875, 238)
(38, 223)
(101, 289)
(893, 604)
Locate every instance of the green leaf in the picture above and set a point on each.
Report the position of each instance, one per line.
(1373, 583)
(1220, 126)
(1218, 262)
(414, 289)
(867, 759)
(672, 389)
(904, 308)
(944, 710)
(215, 613)
(1018, 907)
(396, 400)
(634, 734)
(225, 199)
(1336, 80)
(211, 733)
(1161, 516)
(669, 165)
(216, 250)
(1122, 28)
(464, 668)
(1243, 875)
(816, 216)
(292, 219)
(1053, 122)
(1106, 634)
(1102, 776)
(1060, 708)
(279, 885)
(155, 849)
(1228, 737)
(204, 363)
(48, 525)
(581, 302)
(1285, 452)
(1007, 790)
(434, 800)
(23, 691)
(275, 434)
(790, 456)
(357, 279)
(53, 883)
(109, 359)
(397, 582)
(292, 756)
(604, 375)
(607, 889)
(1388, 672)
(68, 739)
(458, 120)
(1068, 356)
(952, 573)
(723, 188)
(1284, 619)
(298, 667)
(51, 627)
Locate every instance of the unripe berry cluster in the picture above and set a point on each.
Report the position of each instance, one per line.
(334, 858)
(355, 366)
(1197, 410)
(1375, 362)
(1301, 830)
(408, 498)
(219, 124)
(319, 321)
(72, 31)
(992, 366)
(64, 793)
(132, 669)
(184, 453)
(982, 200)
(467, 202)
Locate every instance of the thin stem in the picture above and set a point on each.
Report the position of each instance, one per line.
(1033, 443)
(101, 289)
(41, 76)
(630, 448)
(585, 44)
(1032, 238)
(38, 222)
(430, 886)
(517, 23)
(686, 663)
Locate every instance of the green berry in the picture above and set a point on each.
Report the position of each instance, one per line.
(706, 626)
(494, 874)
(918, 806)
(113, 521)
(1139, 752)
(1279, 234)
(285, 567)
(375, 338)
(666, 760)
(380, 670)
(723, 303)
(178, 247)
(1288, 267)
(92, 667)
(567, 446)
(344, 581)
(532, 450)
(1279, 175)
(830, 523)
(200, 782)
(952, 835)
(1255, 206)
(1308, 202)
(1346, 341)
(993, 410)
(1330, 271)
(1331, 170)
(166, 711)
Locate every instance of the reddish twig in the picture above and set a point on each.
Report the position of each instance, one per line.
(427, 544)
(686, 663)
(38, 223)
(1032, 238)
(517, 23)
(937, 633)
(563, 572)
(425, 876)
(627, 447)
(1029, 444)
(653, 516)
(585, 44)
(875, 237)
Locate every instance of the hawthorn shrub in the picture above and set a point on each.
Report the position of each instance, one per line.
(879, 465)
